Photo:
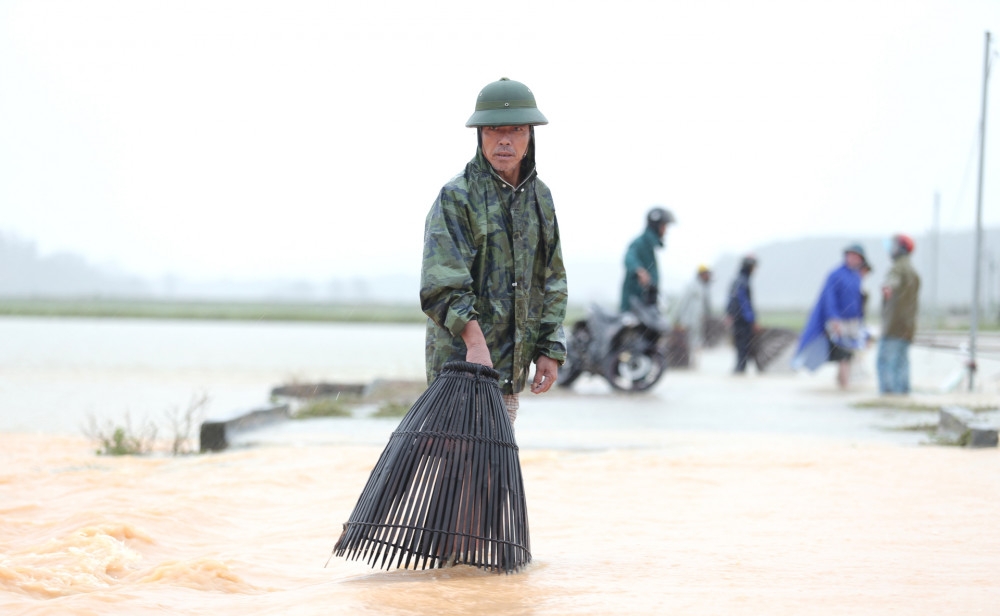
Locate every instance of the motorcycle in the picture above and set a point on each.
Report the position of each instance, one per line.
(628, 349)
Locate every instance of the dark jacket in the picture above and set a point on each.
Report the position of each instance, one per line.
(641, 253)
(740, 306)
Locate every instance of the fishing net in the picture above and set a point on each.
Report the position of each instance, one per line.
(770, 343)
(447, 488)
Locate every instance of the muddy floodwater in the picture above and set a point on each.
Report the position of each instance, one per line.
(768, 494)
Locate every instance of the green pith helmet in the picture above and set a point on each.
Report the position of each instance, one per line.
(506, 103)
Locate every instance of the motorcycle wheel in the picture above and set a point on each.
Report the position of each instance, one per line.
(576, 348)
(634, 369)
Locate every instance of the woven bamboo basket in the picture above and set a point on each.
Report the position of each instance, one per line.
(447, 489)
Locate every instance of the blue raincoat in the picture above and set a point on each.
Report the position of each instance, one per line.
(840, 299)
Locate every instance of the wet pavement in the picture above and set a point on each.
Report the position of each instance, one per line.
(710, 399)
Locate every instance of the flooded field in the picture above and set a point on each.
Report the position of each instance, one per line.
(714, 494)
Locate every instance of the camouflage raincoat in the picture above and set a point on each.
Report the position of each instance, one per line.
(492, 253)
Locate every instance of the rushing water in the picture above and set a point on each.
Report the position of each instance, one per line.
(712, 495)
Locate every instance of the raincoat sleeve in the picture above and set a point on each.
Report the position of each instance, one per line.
(551, 337)
(632, 259)
(447, 295)
(841, 297)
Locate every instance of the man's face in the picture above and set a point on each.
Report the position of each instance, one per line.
(854, 260)
(504, 147)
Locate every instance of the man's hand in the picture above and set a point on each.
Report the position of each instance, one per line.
(546, 371)
(476, 351)
(644, 277)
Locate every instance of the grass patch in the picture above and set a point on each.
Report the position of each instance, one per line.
(899, 404)
(337, 312)
(124, 439)
(928, 402)
(96, 307)
(930, 428)
(949, 441)
(391, 409)
(391, 398)
(121, 439)
(794, 320)
(323, 407)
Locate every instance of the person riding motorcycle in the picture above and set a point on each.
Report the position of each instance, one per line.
(642, 276)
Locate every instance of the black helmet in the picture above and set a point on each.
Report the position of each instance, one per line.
(748, 263)
(659, 215)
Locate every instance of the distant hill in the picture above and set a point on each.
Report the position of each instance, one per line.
(24, 272)
(789, 276)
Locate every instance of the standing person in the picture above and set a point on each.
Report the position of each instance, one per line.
(858, 363)
(691, 314)
(835, 329)
(900, 293)
(741, 315)
(642, 278)
(492, 283)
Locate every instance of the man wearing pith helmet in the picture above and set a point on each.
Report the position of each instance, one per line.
(492, 282)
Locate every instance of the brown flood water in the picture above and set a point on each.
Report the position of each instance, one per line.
(706, 524)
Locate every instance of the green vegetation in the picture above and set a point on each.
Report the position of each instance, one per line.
(123, 439)
(391, 409)
(337, 312)
(922, 403)
(122, 443)
(391, 399)
(324, 407)
(210, 310)
(794, 320)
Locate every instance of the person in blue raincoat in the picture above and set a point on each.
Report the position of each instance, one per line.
(835, 326)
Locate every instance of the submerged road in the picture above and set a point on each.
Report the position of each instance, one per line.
(710, 399)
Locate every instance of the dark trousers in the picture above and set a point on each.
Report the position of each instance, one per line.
(743, 341)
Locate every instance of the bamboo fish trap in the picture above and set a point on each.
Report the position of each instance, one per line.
(769, 343)
(447, 488)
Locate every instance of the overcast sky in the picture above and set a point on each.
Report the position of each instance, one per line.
(251, 139)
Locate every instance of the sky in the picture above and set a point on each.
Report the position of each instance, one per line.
(248, 139)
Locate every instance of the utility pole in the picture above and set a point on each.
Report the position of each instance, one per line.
(974, 325)
(991, 274)
(935, 267)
